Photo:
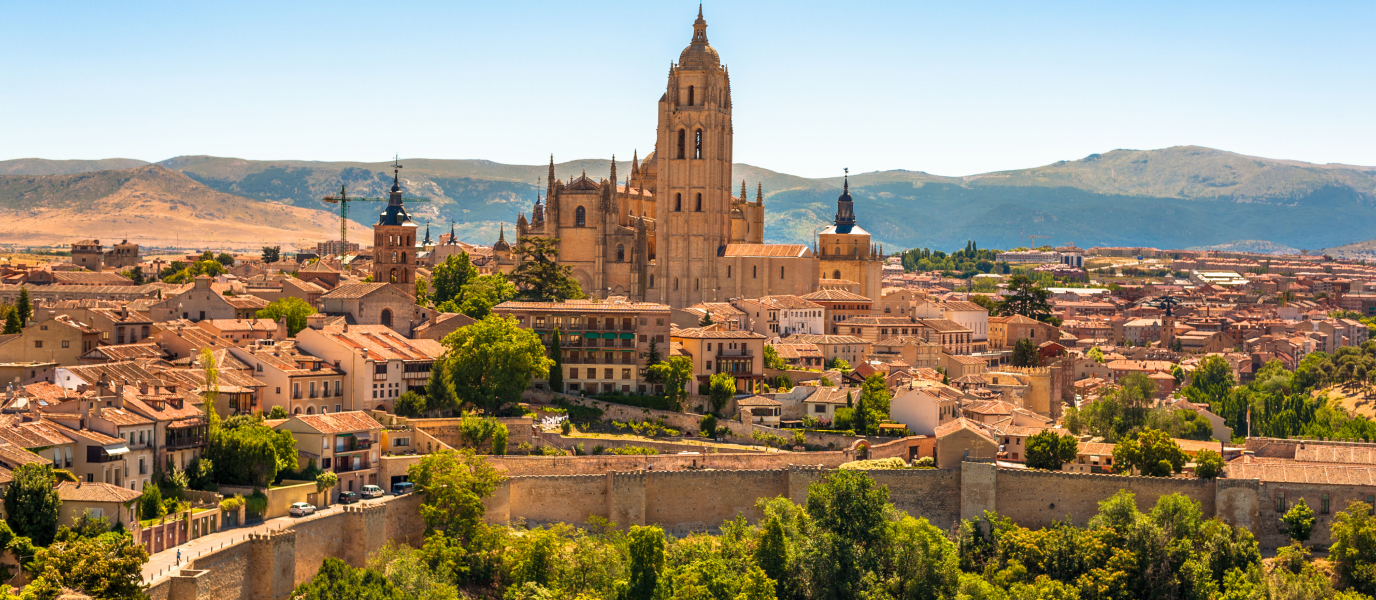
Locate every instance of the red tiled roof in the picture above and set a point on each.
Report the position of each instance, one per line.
(714, 332)
(835, 295)
(341, 422)
(94, 492)
(766, 250)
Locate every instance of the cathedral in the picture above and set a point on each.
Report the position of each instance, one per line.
(672, 231)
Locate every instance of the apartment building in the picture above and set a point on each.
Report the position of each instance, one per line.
(378, 364)
(297, 381)
(605, 344)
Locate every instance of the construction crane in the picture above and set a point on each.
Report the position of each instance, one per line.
(343, 201)
(1034, 240)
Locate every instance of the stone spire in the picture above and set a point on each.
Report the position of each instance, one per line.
(743, 196)
(453, 238)
(635, 164)
(700, 28)
(550, 182)
(427, 233)
(845, 208)
(501, 245)
(613, 176)
(759, 194)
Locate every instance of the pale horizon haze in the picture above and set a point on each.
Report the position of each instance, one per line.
(946, 88)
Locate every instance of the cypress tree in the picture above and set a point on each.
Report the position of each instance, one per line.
(24, 307)
(556, 372)
(12, 323)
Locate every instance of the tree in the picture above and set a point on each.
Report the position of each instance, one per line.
(337, 580)
(652, 356)
(1208, 464)
(772, 360)
(485, 292)
(450, 276)
(840, 364)
(294, 310)
(439, 388)
(454, 483)
(987, 304)
(645, 548)
(539, 277)
(1049, 450)
(1152, 453)
(32, 504)
(875, 392)
(492, 361)
(12, 324)
(410, 405)
(556, 370)
(1095, 354)
(246, 452)
(272, 254)
(278, 412)
(849, 510)
(708, 425)
(675, 375)
(150, 503)
(1026, 353)
(1353, 553)
(225, 259)
(706, 319)
(422, 292)
(1027, 299)
(325, 481)
(106, 566)
(24, 307)
(722, 387)
(1299, 521)
(210, 388)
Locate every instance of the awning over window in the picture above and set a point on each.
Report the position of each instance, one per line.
(591, 335)
(628, 336)
(116, 449)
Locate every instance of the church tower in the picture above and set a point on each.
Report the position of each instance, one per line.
(394, 241)
(692, 193)
(845, 251)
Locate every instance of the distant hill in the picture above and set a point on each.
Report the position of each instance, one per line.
(1179, 197)
(1253, 246)
(155, 206)
(1358, 250)
(43, 166)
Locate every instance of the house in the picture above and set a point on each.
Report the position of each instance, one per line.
(180, 429)
(957, 366)
(823, 402)
(119, 505)
(800, 355)
(1142, 331)
(606, 344)
(376, 304)
(963, 313)
(722, 313)
(1004, 332)
(295, 380)
(121, 353)
(56, 338)
(961, 439)
(378, 363)
(951, 336)
(923, 405)
(100, 457)
(849, 348)
(716, 349)
(840, 305)
(442, 325)
(913, 350)
(200, 302)
(105, 413)
(242, 332)
(42, 437)
(343, 442)
(783, 315)
(760, 410)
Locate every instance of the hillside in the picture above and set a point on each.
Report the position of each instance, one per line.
(153, 206)
(43, 166)
(1179, 197)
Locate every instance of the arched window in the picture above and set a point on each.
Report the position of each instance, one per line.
(403, 258)
(754, 271)
(620, 253)
(393, 278)
(695, 284)
(678, 202)
(699, 208)
(675, 284)
(387, 317)
(697, 144)
(310, 410)
(296, 411)
(838, 250)
(682, 141)
(394, 256)
(836, 274)
(690, 95)
(580, 217)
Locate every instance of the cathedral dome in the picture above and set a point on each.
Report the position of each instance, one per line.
(699, 57)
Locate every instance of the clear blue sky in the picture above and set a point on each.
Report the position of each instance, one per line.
(951, 88)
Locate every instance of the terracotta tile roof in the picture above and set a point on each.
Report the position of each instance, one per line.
(944, 325)
(14, 456)
(965, 360)
(341, 422)
(49, 393)
(959, 423)
(1303, 473)
(353, 291)
(94, 492)
(763, 250)
(835, 296)
(123, 418)
(788, 351)
(160, 407)
(757, 401)
(1312, 452)
(91, 278)
(718, 308)
(90, 434)
(813, 338)
(1015, 320)
(788, 301)
(881, 321)
(34, 434)
(904, 340)
(381, 343)
(996, 407)
(124, 352)
(287, 358)
(246, 302)
(961, 305)
(714, 332)
(241, 325)
(127, 371)
(464, 320)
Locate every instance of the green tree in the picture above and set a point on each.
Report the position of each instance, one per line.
(492, 361)
(485, 292)
(450, 276)
(538, 276)
(1026, 354)
(1208, 464)
(706, 319)
(1152, 453)
(272, 254)
(556, 370)
(721, 389)
(839, 364)
(645, 548)
(422, 292)
(294, 310)
(336, 580)
(24, 307)
(1026, 298)
(1049, 450)
(12, 324)
(454, 483)
(1095, 354)
(246, 452)
(278, 412)
(875, 392)
(986, 303)
(31, 503)
(150, 503)
(106, 566)
(225, 259)
(772, 360)
(675, 375)
(325, 481)
(439, 388)
(772, 553)
(1299, 521)
(708, 425)
(849, 510)
(410, 405)
(1353, 553)
(652, 356)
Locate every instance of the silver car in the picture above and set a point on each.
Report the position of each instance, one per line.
(301, 509)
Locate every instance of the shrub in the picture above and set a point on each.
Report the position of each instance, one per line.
(709, 424)
(598, 449)
(1207, 464)
(566, 427)
(257, 504)
(925, 462)
(150, 503)
(231, 504)
(634, 450)
(878, 464)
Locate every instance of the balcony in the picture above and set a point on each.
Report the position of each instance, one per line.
(347, 444)
(345, 466)
(380, 376)
(416, 375)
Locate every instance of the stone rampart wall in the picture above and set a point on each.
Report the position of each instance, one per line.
(1037, 498)
(933, 494)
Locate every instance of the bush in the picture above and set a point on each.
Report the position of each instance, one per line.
(1207, 464)
(598, 449)
(925, 462)
(634, 450)
(150, 503)
(709, 424)
(231, 504)
(581, 414)
(878, 464)
(566, 427)
(257, 504)
(650, 402)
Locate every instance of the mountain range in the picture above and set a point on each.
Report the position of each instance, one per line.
(1179, 197)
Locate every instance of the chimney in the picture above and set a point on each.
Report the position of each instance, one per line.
(282, 330)
(315, 321)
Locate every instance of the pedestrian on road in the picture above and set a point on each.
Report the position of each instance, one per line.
(179, 557)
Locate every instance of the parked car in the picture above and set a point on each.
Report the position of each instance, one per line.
(372, 491)
(348, 497)
(402, 487)
(301, 509)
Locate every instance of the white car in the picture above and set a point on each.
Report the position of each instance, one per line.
(301, 509)
(372, 491)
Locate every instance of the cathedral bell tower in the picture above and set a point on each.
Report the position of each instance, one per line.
(692, 191)
(394, 241)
